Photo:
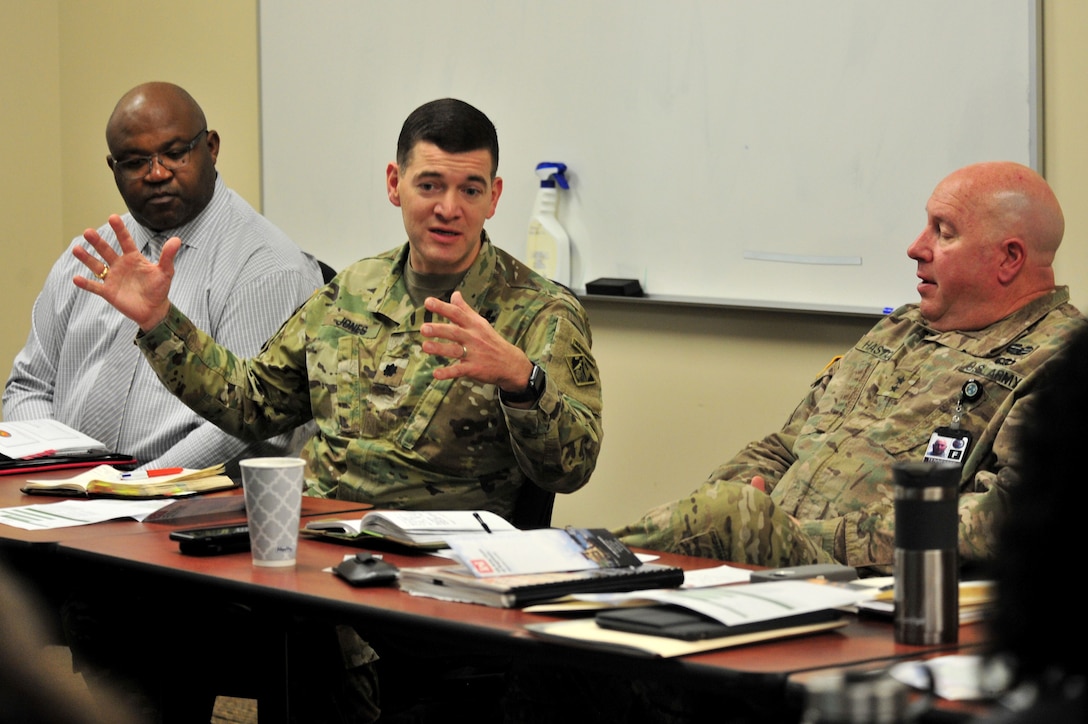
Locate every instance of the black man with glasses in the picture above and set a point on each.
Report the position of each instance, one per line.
(240, 276)
(238, 273)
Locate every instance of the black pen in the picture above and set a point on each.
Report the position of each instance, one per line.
(481, 522)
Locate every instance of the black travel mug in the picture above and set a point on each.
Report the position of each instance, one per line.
(926, 563)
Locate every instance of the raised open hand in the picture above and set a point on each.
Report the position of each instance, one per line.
(131, 283)
(479, 351)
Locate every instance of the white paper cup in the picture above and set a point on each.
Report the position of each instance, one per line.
(273, 492)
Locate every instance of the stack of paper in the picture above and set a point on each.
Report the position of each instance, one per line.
(33, 446)
(755, 611)
(37, 438)
(457, 583)
(977, 599)
(519, 568)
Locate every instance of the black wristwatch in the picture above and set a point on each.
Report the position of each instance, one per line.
(532, 391)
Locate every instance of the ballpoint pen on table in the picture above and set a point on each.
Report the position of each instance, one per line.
(142, 474)
(481, 522)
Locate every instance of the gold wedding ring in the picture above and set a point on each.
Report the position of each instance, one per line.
(104, 273)
(464, 351)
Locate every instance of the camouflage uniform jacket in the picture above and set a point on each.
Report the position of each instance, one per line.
(387, 431)
(830, 465)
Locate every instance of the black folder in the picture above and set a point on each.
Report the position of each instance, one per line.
(680, 623)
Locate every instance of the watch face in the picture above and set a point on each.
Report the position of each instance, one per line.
(536, 380)
(533, 390)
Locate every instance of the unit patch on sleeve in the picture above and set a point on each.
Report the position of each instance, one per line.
(582, 368)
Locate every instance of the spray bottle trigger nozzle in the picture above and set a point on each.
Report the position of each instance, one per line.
(553, 171)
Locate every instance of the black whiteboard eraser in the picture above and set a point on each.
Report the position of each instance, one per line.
(615, 287)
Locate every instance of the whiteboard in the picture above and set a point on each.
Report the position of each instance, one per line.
(765, 153)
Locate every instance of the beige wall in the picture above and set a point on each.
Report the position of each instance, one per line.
(684, 387)
(209, 47)
(1065, 63)
(30, 186)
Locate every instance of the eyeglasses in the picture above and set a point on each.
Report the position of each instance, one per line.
(139, 166)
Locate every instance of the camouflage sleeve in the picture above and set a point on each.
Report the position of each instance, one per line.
(557, 442)
(866, 538)
(251, 399)
(859, 539)
(772, 456)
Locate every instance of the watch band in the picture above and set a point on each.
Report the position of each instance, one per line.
(533, 390)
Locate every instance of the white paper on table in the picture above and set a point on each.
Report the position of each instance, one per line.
(29, 438)
(68, 513)
(719, 576)
(755, 602)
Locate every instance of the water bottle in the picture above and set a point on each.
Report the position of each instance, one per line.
(926, 565)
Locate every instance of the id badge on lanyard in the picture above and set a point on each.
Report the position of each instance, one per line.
(949, 445)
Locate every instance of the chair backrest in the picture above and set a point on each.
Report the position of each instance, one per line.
(327, 272)
(533, 508)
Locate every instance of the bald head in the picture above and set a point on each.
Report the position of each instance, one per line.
(149, 101)
(1016, 202)
(988, 248)
(167, 155)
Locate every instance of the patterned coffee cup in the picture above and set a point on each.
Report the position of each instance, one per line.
(273, 492)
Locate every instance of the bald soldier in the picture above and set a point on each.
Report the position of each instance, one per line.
(971, 352)
(236, 275)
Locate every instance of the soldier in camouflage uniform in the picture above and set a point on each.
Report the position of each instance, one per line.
(418, 402)
(442, 374)
(820, 489)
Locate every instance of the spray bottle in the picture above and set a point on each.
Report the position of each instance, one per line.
(548, 248)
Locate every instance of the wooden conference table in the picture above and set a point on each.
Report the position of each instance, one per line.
(32, 554)
(762, 671)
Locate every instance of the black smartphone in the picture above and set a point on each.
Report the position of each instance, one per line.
(212, 541)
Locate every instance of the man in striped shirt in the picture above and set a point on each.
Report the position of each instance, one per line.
(236, 274)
